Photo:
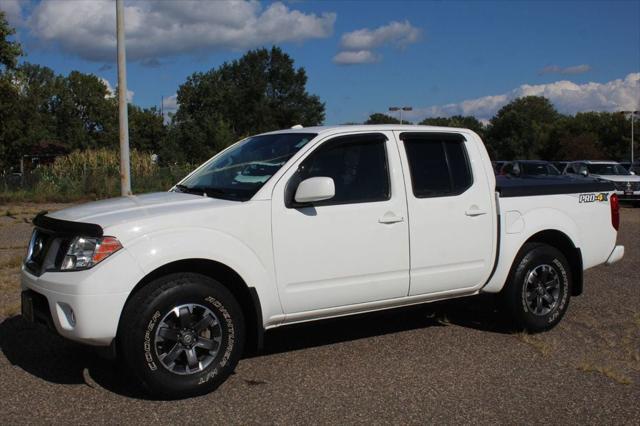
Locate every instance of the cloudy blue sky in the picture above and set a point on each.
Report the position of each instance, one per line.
(442, 58)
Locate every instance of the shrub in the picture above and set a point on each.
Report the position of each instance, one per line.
(90, 174)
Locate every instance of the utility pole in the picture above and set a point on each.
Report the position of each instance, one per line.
(125, 167)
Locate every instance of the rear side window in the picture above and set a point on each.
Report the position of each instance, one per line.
(438, 164)
(357, 165)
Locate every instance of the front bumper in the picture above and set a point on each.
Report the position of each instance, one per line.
(82, 306)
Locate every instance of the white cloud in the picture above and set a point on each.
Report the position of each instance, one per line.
(568, 98)
(170, 102)
(12, 10)
(357, 57)
(555, 69)
(157, 29)
(111, 93)
(397, 33)
(357, 46)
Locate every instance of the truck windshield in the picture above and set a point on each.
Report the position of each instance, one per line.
(240, 171)
(607, 169)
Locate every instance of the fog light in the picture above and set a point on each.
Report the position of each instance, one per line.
(67, 314)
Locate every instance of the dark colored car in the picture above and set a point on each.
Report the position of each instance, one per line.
(560, 165)
(529, 168)
(497, 166)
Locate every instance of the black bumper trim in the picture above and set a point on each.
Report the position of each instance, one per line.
(35, 309)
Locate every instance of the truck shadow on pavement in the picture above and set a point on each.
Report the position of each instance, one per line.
(478, 312)
(42, 354)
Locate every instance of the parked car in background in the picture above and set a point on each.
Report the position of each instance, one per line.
(497, 166)
(529, 168)
(560, 165)
(626, 183)
(633, 168)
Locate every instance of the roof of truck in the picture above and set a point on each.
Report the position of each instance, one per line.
(369, 127)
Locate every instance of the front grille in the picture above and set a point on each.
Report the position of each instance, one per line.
(626, 186)
(46, 251)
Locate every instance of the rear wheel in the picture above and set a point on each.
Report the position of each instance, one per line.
(182, 335)
(539, 287)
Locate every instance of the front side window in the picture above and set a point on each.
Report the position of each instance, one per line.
(438, 164)
(239, 172)
(356, 163)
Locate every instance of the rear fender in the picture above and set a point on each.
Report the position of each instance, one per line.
(514, 237)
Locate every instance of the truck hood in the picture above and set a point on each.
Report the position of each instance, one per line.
(618, 178)
(115, 211)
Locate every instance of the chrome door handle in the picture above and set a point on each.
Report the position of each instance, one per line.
(475, 211)
(390, 218)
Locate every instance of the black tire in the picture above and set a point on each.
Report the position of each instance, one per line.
(528, 291)
(160, 304)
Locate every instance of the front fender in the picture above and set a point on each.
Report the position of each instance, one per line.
(163, 247)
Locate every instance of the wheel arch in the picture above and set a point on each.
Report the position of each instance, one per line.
(562, 242)
(246, 296)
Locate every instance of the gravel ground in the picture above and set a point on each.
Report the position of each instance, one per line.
(451, 362)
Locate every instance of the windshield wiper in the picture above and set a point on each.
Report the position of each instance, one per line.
(207, 191)
(189, 190)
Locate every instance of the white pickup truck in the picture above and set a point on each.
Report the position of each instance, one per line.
(305, 224)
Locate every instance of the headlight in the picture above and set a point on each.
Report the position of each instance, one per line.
(85, 252)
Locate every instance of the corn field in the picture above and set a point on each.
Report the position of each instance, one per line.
(87, 175)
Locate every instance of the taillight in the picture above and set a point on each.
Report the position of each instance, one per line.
(615, 211)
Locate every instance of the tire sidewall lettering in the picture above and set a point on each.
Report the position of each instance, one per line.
(565, 292)
(148, 343)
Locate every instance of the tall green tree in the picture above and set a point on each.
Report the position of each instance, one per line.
(259, 92)
(464, 121)
(146, 129)
(521, 128)
(379, 118)
(10, 120)
(10, 51)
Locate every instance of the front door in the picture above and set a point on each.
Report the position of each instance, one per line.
(353, 248)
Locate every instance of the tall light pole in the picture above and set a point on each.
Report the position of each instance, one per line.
(123, 115)
(633, 114)
(405, 108)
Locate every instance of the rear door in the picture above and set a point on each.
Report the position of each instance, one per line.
(451, 223)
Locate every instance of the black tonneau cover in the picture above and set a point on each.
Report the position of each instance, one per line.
(521, 187)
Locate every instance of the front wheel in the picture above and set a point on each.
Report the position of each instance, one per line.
(539, 287)
(182, 335)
